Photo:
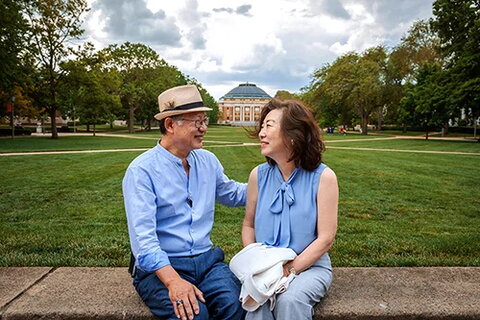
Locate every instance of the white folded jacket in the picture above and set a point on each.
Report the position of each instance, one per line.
(260, 270)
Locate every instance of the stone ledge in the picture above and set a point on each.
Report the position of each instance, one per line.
(403, 293)
(356, 293)
(15, 280)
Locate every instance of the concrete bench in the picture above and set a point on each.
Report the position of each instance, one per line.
(357, 293)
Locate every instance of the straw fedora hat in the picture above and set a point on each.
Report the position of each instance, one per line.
(179, 100)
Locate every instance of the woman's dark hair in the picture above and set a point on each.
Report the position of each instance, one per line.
(300, 130)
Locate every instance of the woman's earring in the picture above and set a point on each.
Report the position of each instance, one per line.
(291, 141)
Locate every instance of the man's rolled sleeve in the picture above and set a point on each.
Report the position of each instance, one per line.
(229, 192)
(141, 209)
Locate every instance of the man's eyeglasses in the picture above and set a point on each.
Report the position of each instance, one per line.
(198, 123)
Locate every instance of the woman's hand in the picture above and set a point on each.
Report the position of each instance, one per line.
(289, 269)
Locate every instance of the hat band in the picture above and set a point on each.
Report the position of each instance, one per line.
(185, 106)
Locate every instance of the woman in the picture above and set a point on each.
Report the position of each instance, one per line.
(292, 202)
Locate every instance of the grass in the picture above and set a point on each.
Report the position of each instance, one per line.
(396, 209)
(26, 144)
(413, 144)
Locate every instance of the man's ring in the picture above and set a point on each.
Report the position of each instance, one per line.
(179, 302)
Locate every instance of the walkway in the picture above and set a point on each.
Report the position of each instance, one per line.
(238, 144)
(356, 293)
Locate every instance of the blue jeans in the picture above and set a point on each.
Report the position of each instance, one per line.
(220, 287)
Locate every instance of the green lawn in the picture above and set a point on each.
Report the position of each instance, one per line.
(396, 209)
(25, 144)
(412, 144)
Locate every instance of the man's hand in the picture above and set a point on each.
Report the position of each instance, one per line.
(182, 293)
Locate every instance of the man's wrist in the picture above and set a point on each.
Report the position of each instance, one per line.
(167, 275)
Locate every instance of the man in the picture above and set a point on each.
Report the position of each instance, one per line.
(170, 193)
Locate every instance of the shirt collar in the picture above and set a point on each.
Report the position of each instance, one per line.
(164, 152)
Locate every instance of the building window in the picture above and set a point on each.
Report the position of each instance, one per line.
(246, 115)
(236, 116)
(256, 114)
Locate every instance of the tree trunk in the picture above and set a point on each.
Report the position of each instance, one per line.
(131, 117)
(94, 127)
(475, 118)
(364, 125)
(12, 123)
(445, 129)
(88, 127)
(380, 118)
(426, 134)
(53, 121)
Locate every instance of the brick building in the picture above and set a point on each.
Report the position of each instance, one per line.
(241, 106)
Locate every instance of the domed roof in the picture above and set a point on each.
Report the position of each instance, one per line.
(247, 90)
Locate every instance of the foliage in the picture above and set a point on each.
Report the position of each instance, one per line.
(285, 95)
(13, 29)
(88, 90)
(427, 103)
(143, 76)
(458, 26)
(353, 84)
(53, 23)
(418, 47)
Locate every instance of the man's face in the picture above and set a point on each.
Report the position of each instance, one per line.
(190, 130)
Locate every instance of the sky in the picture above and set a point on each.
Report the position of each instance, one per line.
(276, 44)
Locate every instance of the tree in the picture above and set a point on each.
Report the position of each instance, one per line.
(427, 103)
(53, 24)
(329, 89)
(144, 75)
(417, 48)
(353, 83)
(458, 26)
(88, 90)
(13, 44)
(13, 28)
(285, 95)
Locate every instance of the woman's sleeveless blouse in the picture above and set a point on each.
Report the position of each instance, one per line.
(286, 213)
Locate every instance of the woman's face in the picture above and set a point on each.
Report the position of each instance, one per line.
(271, 136)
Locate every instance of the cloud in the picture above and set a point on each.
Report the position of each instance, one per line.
(244, 10)
(133, 21)
(195, 36)
(227, 10)
(332, 8)
(241, 10)
(192, 21)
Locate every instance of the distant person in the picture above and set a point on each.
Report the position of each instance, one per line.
(170, 192)
(292, 202)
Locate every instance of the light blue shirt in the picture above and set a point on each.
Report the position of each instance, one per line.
(286, 212)
(170, 214)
